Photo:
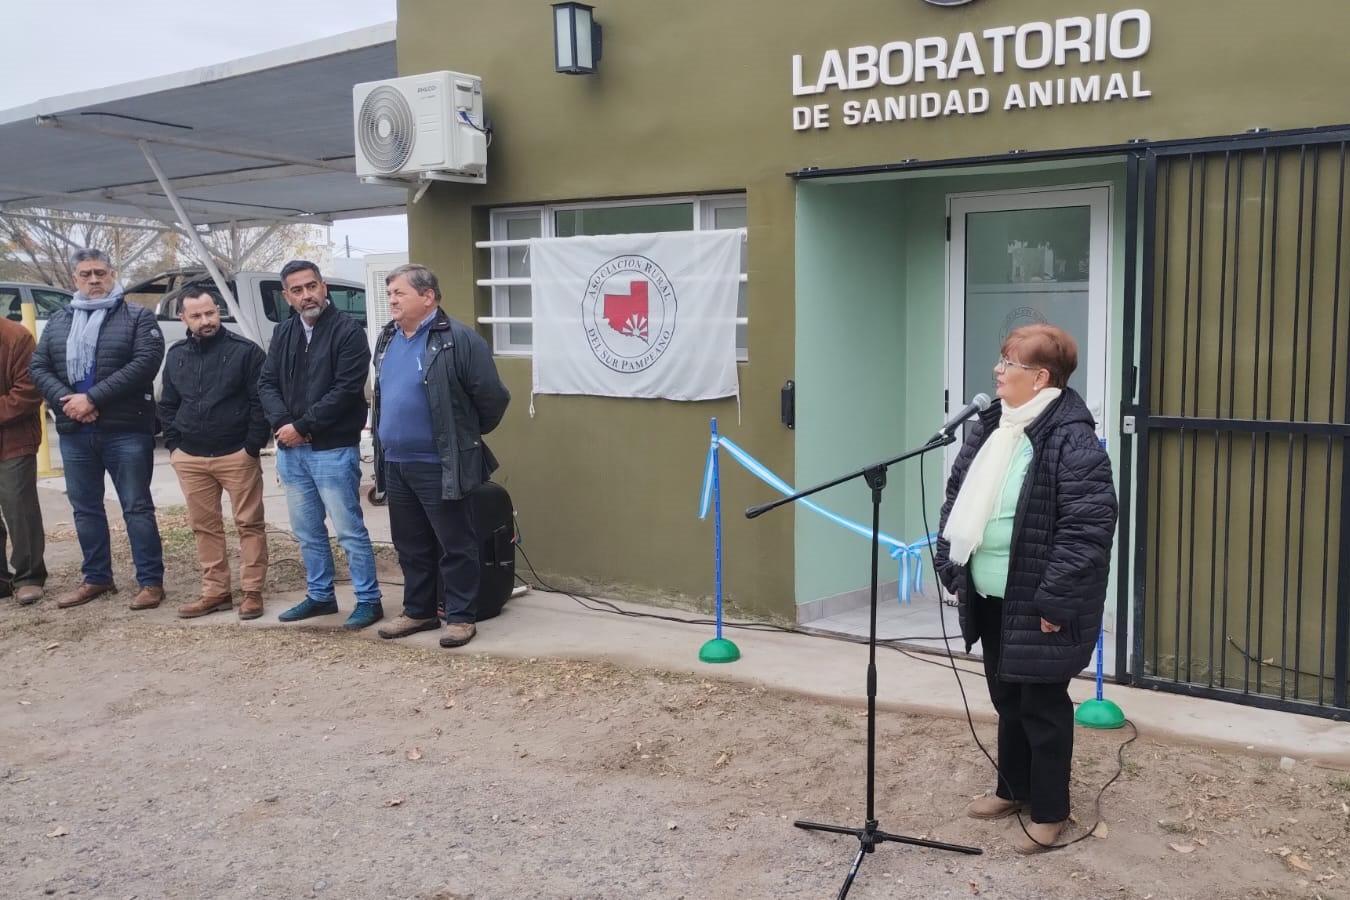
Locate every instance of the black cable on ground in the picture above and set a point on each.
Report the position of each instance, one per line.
(606, 606)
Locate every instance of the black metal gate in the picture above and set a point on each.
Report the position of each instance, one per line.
(1241, 573)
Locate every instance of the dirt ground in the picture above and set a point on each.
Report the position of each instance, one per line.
(143, 757)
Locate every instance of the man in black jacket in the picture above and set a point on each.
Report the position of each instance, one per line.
(313, 390)
(436, 394)
(96, 364)
(215, 430)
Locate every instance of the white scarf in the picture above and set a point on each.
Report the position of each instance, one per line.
(984, 479)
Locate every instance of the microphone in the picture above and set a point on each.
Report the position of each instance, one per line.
(978, 403)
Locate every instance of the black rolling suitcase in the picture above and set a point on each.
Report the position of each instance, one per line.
(494, 522)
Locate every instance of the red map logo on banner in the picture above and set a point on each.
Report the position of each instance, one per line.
(628, 311)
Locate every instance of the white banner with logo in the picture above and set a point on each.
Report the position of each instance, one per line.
(636, 315)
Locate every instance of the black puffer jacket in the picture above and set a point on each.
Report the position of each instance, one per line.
(1061, 544)
(209, 404)
(130, 350)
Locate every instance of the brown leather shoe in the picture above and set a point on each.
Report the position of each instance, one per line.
(251, 607)
(84, 593)
(148, 597)
(457, 634)
(402, 626)
(29, 594)
(202, 606)
(1038, 837)
(992, 806)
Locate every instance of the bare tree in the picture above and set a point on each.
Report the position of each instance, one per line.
(35, 245)
(263, 249)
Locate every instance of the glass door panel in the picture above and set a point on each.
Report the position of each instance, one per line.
(1021, 258)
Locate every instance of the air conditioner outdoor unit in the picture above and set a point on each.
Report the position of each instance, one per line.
(378, 267)
(420, 128)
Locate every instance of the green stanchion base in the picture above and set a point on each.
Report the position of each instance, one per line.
(1099, 714)
(719, 650)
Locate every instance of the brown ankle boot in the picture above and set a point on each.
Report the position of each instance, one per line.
(1038, 837)
(83, 594)
(203, 606)
(991, 806)
(148, 597)
(251, 607)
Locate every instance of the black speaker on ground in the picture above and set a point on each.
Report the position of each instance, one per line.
(495, 523)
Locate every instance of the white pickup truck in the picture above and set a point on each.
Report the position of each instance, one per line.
(262, 305)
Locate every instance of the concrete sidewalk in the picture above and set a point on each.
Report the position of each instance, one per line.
(542, 624)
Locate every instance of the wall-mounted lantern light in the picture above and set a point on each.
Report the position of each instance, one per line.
(576, 39)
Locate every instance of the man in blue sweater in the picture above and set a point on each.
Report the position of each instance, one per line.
(437, 393)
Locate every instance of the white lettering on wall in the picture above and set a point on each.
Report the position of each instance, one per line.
(1143, 28)
(1067, 41)
(1038, 35)
(810, 117)
(1035, 48)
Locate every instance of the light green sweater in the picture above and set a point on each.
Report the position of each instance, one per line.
(989, 563)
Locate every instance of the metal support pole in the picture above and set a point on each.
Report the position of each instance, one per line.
(44, 455)
(245, 323)
(346, 166)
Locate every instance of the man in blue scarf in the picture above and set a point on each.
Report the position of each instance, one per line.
(96, 364)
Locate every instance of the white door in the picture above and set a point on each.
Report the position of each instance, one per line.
(1015, 258)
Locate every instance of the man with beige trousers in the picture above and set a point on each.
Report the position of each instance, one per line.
(214, 428)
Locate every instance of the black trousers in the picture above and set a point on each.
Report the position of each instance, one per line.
(1035, 728)
(436, 544)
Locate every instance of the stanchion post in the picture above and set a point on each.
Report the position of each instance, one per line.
(719, 649)
(1099, 712)
(44, 455)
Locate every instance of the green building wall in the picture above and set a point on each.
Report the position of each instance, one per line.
(696, 97)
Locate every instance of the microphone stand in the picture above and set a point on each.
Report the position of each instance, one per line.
(869, 835)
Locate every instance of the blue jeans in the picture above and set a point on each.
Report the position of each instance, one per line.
(129, 458)
(328, 481)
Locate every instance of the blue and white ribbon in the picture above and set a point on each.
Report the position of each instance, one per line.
(910, 556)
(911, 565)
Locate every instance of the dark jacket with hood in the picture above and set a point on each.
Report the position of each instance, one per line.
(209, 404)
(1061, 544)
(466, 397)
(126, 361)
(318, 387)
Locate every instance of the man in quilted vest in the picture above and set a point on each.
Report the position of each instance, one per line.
(96, 364)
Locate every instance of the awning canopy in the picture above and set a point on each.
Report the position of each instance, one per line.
(258, 140)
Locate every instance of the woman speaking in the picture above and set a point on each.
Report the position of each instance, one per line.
(1025, 543)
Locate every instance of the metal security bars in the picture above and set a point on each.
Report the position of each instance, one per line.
(1242, 569)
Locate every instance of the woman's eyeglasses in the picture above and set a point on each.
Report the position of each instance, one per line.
(1004, 363)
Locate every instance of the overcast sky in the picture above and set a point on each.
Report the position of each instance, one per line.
(47, 41)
